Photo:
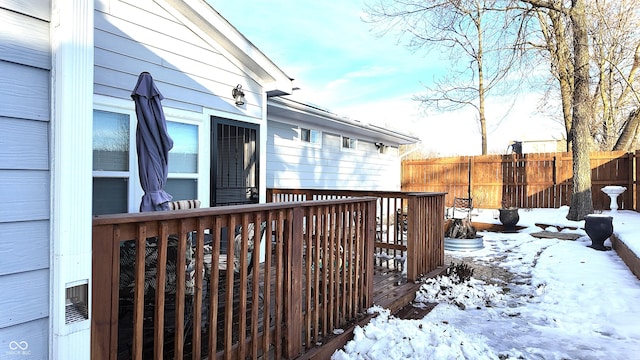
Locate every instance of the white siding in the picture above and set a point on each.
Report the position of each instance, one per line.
(25, 63)
(136, 36)
(293, 164)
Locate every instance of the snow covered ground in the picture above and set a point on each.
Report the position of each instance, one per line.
(565, 301)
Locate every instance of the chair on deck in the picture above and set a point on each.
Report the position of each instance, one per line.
(128, 254)
(402, 224)
(191, 265)
(232, 261)
(237, 248)
(223, 259)
(184, 204)
(127, 283)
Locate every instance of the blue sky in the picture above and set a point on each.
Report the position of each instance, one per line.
(335, 58)
(340, 64)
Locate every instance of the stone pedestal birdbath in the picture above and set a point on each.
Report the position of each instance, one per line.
(613, 192)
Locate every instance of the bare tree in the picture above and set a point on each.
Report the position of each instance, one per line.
(630, 132)
(615, 43)
(474, 33)
(581, 200)
(593, 49)
(555, 47)
(581, 110)
(613, 28)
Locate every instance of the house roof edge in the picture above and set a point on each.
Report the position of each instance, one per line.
(308, 112)
(201, 14)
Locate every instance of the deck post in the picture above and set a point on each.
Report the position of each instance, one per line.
(103, 346)
(412, 256)
(370, 249)
(293, 283)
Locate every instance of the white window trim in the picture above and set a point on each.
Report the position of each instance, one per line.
(263, 133)
(135, 191)
(349, 149)
(309, 143)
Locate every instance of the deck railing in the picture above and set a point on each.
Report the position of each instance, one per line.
(306, 272)
(409, 226)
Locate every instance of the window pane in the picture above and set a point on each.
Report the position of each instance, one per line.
(183, 158)
(305, 135)
(182, 189)
(315, 137)
(110, 141)
(348, 143)
(110, 196)
(310, 136)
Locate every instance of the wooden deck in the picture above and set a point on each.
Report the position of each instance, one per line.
(322, 270)
(392, 291)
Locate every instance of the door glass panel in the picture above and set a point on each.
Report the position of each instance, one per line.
(110, 141)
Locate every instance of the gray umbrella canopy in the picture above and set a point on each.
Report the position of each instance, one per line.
(152, 143)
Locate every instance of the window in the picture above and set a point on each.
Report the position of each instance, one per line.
(116, 186)
(110, 141)
(111, 144)
(182, 182)
(349, 143)
(183, 158)
(310, 136)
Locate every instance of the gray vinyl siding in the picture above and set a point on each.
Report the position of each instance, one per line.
(25, 64)
(38, 339)
(19, 239)
(292, 164)
(136, 36)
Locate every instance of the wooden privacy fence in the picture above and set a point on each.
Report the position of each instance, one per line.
(294, 272)
(409, 228)
(527, 181)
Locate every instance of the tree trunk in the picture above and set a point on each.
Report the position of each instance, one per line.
(631, 128)
(481, 89)
(483, 120)
(629, 133)
(581, 200)
(562, 57)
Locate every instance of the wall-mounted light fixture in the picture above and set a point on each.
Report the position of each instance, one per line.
(238, 95)
(382, 148)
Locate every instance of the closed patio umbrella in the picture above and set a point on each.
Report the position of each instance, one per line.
(152, 144)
